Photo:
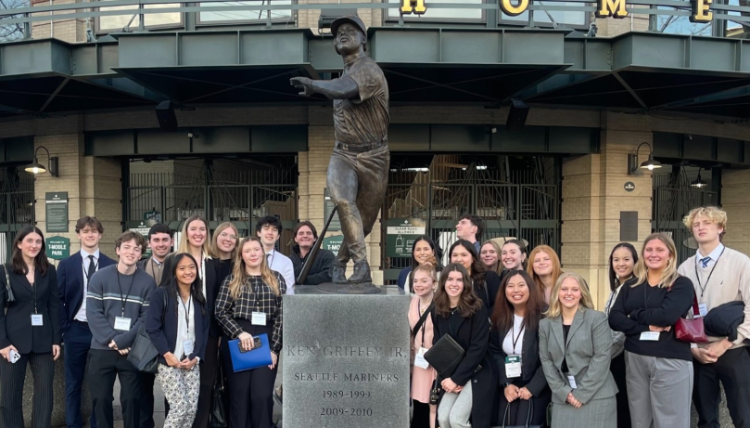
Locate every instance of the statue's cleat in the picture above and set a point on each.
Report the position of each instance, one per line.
(361, 273)
(338, 274)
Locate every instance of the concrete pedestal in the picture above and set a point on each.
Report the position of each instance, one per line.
(346, 360)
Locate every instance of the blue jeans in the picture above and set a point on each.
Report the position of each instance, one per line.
(77, 343)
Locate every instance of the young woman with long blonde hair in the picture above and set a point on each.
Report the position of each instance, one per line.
(251, 289)
(195, 240)
(659, 367)
(423, 287)
(576, 361)
(224, 248)
(489, 253)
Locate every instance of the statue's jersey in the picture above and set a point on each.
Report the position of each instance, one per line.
(365, 119)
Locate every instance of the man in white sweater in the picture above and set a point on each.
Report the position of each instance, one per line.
(720, 275)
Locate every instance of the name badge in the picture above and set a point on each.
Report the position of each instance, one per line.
(703, 309)
(419, 360)
(512, 366)
(572, 382)
(188, 347)
(259, 318)
(36, 320)
(122, 323)
(651, 336)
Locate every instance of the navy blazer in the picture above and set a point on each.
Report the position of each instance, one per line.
(70, 286)
(163, 332)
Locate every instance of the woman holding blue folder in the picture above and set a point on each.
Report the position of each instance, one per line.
(179, 333)
(249, 305)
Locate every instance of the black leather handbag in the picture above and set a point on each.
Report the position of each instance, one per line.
(218, 411)
(445, 356)
(529, 412)
(143, 355)
(9, 297)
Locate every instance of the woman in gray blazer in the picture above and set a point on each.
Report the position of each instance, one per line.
(574, 346)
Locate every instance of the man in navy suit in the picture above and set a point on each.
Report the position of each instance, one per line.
(73, 276)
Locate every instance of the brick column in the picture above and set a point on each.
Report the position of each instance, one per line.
(313, 169)
(736, 201)
(593, 195)
(70, 30)
(93, 184)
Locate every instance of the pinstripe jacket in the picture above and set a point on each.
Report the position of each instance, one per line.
(586, 352)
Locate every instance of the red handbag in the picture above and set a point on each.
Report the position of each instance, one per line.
(691, 330)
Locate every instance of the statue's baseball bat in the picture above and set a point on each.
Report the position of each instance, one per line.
(315, 250)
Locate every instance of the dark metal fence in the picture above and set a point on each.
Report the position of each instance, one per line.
(240, 197)
(673, 198)
(17, 208)
(513, 203)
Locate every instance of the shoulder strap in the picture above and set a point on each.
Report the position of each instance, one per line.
(422, 319)
(164, 309)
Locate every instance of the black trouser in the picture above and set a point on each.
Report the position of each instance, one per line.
(104, 367)
(519, 409)
(11, 390)
(209, 369)
(76, 351)
(733, 371)
(617, 367)
(147, 400)
(251, 391)
(421, 416)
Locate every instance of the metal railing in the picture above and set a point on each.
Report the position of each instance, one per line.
(664, 15)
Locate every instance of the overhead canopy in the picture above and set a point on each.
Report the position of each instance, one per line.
(651, 72)
(50, 76)
(640, 71)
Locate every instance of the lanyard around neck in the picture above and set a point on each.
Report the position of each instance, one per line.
(124, 297)
(187, 309)
(513, 337)
(698, 278)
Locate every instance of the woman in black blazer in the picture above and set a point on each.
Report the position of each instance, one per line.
(470, 390)
(485, 283)
(180, 337)
(514, 344)
(196, 241)
(30, 328)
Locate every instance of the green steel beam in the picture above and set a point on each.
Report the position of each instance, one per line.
(391, 45)
(212, 49)
(681, 53)
(52, 56)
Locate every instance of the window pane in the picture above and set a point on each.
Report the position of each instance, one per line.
(154, 19)
(245, 15)
(433, 13)
(542, 16)
(118, 22)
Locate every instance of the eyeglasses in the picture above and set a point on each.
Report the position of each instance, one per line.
(226, 235)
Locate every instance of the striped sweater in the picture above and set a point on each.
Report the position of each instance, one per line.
(104, 303)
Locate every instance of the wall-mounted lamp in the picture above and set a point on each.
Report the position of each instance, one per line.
(699, 183)
(650, 163)
(37, 168)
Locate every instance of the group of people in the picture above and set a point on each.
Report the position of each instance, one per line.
(190, 303)
(538, 353)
